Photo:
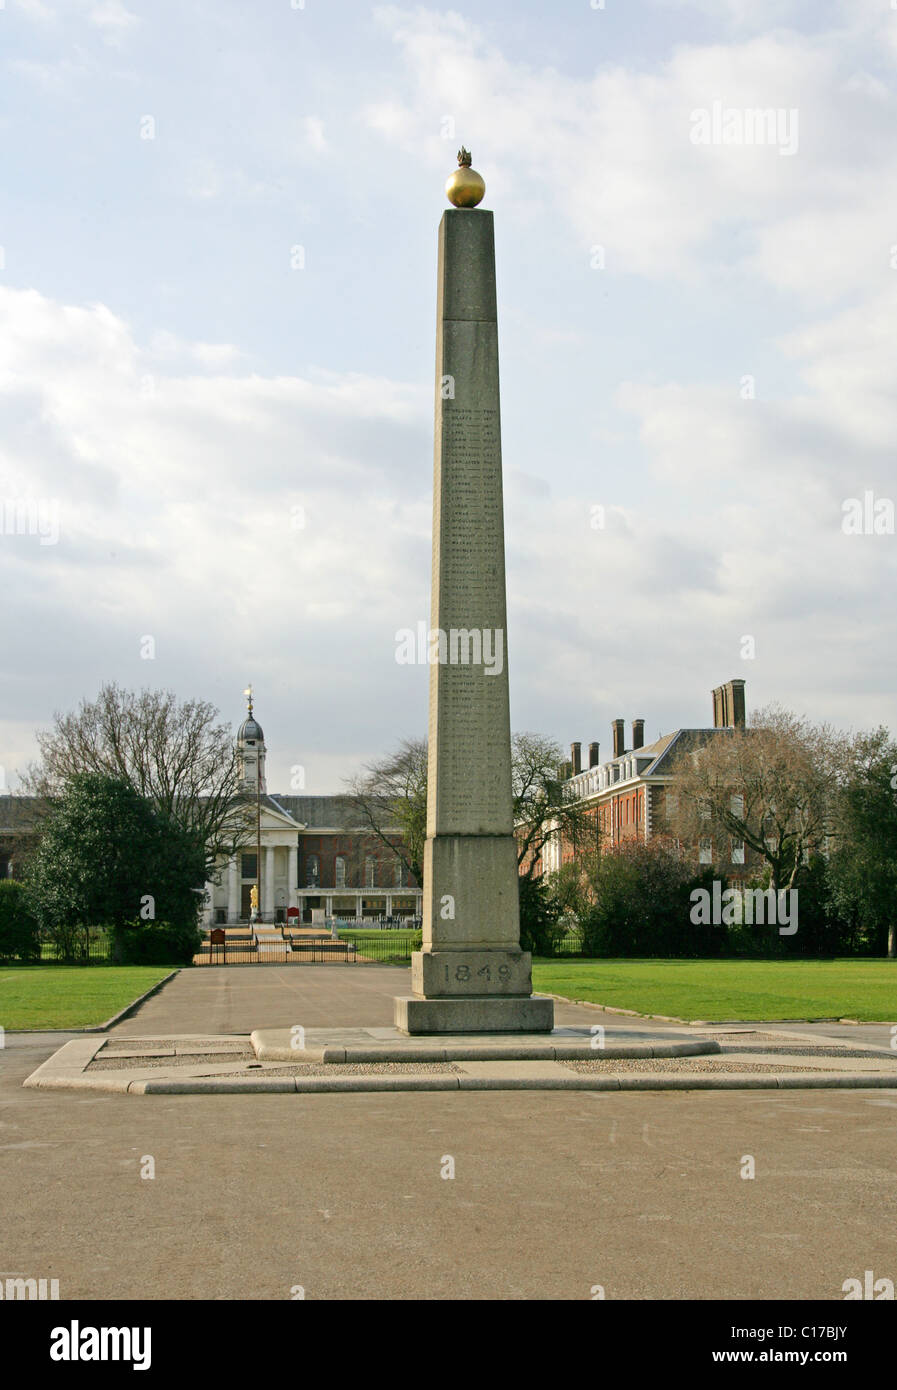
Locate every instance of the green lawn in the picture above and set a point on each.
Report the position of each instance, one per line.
(71, 996)
(719, 990)
(390, 947)
(377, 933)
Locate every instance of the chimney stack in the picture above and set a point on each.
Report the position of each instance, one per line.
(576, 757)
(638, 733)
(728, 705)
(594, 759)
(617, 727)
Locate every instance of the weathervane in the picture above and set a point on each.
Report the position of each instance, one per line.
(248, 693)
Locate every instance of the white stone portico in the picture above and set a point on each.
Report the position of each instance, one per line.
(299, 880)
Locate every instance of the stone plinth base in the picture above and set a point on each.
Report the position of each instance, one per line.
(437, 973)
(474, 1014)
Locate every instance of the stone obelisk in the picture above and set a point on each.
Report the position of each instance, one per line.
(471, 975)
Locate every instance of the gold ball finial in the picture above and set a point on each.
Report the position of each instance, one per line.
(465, 187)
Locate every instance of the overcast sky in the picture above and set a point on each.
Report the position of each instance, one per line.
(217, 323)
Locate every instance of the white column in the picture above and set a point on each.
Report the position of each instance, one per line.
(328, 906)
(293, 876)
(209, 908)
(233, 891)
(268, 904)
(358, 907)
(389, 904)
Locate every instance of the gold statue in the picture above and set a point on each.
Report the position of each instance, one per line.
(465, 187)
(254, 897)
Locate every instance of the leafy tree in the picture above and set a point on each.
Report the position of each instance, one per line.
(863, 867)
(19, 936)
(176, 755)
(108, 858)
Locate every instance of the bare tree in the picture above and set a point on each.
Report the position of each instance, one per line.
(541, 811)
(176, 755)
(774, 785)
(392, 797)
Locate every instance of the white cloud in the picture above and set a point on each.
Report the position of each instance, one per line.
(179, 497)
(314, 133)
(113, 20)
(613, 153)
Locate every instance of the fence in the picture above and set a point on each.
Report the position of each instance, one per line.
(350, 947)
(94, 950)
(570, 944)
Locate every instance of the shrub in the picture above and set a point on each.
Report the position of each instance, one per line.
(642, 905)
(155, 943)
(19, 938)
(540, 925)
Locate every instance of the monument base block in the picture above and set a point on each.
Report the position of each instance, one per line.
(474, 1014)
(465, 971)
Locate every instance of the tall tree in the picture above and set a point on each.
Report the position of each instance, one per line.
(176, 755)
(391, 797)
(773, 785)
(541, 812)
(106, 857)
(863, 868)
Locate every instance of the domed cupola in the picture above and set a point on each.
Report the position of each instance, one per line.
(251, 750)
(251, 731)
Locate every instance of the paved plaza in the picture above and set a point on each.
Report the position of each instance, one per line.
(553, 1193)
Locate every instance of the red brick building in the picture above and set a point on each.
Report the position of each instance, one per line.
(630, 793)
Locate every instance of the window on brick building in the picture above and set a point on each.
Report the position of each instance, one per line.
(705, 852)
(312, 871)
(339, 871)
(738, 851)
(369, 871)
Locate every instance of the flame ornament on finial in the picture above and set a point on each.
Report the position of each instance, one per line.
(465, 187)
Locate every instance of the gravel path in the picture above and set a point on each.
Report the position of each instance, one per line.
(810, 1051)
(351, 1069)
(191, 1059)
(680, 1064)
(161, 1044)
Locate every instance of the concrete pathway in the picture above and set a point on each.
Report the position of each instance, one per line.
(228, 1000)
(554, 1192)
